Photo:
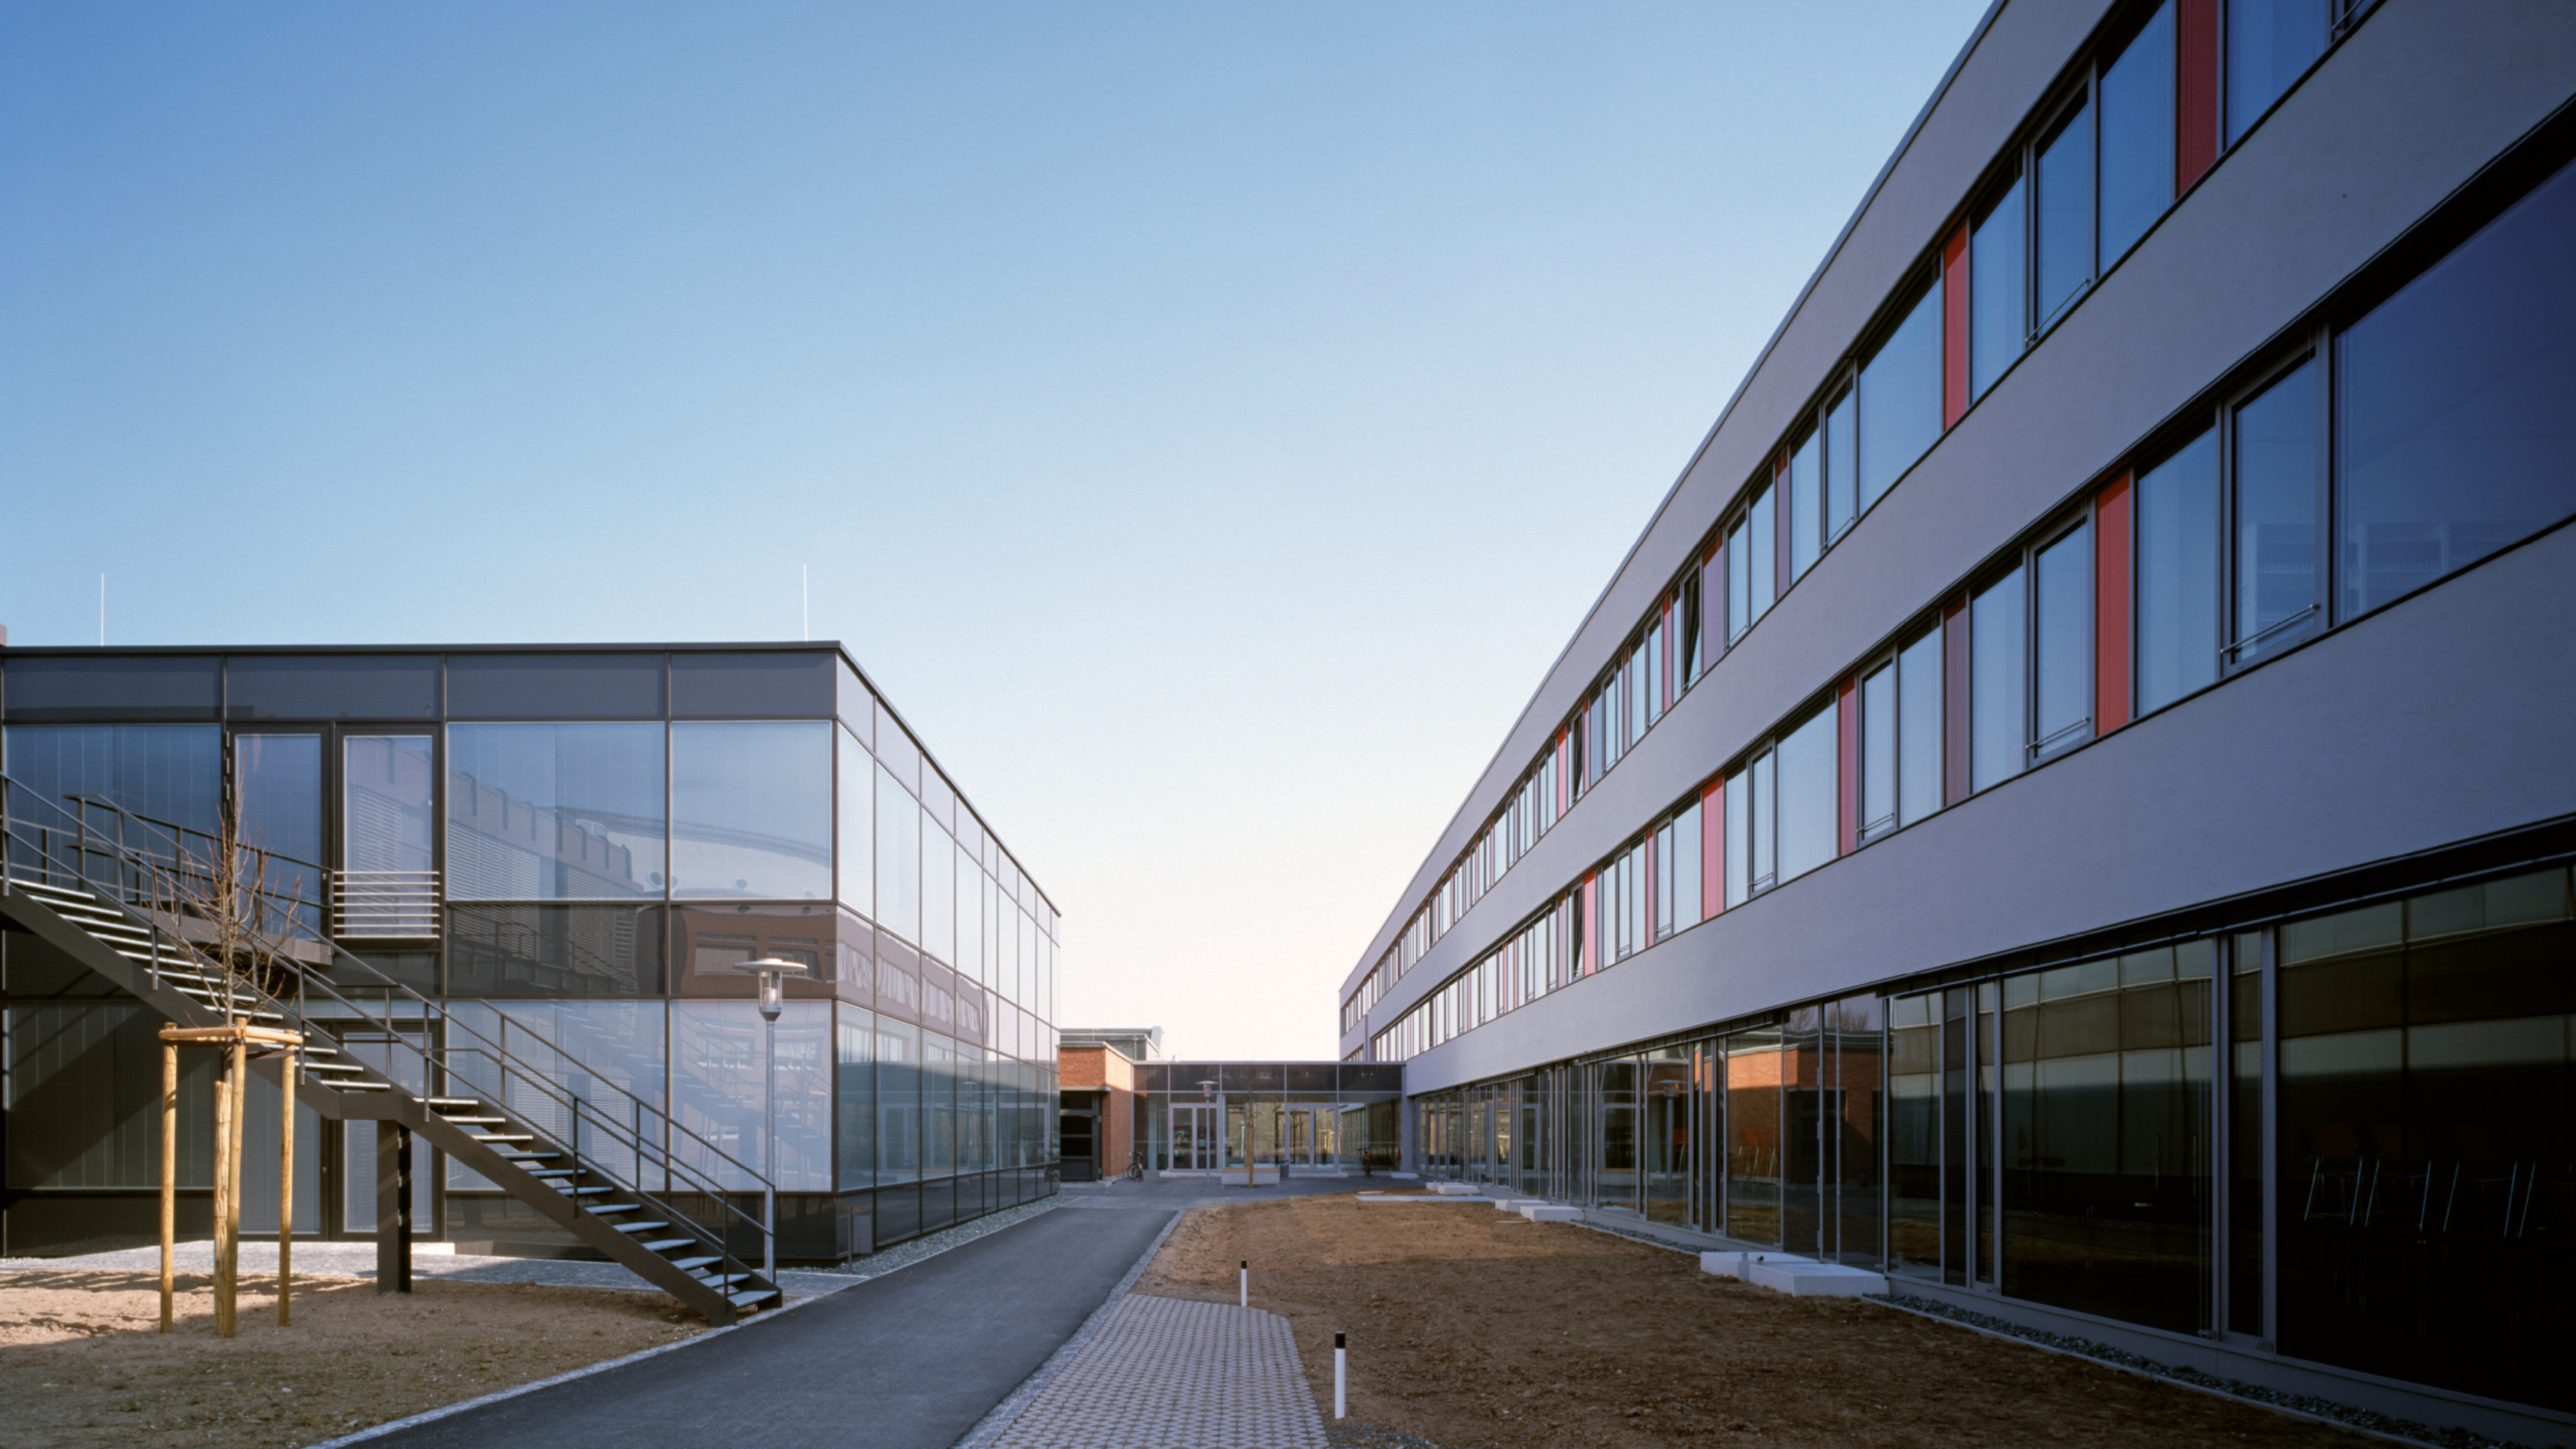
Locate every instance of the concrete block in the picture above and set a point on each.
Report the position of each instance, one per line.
(1539, 1212)
(1796, 1276)
(1455, 1189)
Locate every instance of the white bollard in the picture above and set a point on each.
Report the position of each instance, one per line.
(1243, 1285)
(1341, 1362)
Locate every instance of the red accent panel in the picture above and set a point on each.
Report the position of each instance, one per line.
(2195, 91)
(1782, 525)
(1847, 777)
(1954, 701)
(1954, 326)
(1712, 850)
(2111, 607)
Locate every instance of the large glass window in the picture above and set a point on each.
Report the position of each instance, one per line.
(1751, 559)
(898, 859)
(2138, 135)
(609, 1055)
(1681, 853)
(2455, 427)
(1809, 761)
(1759, 779)
(1878, 752)
(172, 773)
(1998, 289)
(2063, 211)
(751, 809)
(530, 950)
(938, 893)
(2177, 574)
(2106, 1136)
(387, 795)
(1842, 463)
(720, 1070)
(1900, 396)
(856, 871)
(1998, 713)
(1739, 837)
(541, 812)
(2275, 533)
(2270, 44)
(854, 1088)
(1918, 704)
(277, 792)
(1806, 503)
(2426, 1086)
(2062, 641)
(1914, 1136)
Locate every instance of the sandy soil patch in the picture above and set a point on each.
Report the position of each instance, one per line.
(82, 1364)
(1474, 1328)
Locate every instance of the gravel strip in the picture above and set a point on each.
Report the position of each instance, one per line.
(1352, 1434)
(905, 1254)
(2366, 1420)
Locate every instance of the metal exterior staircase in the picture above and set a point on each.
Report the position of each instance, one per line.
(115, 909)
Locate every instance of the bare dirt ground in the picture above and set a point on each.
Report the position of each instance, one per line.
(81, 1362)
(1476, 1329)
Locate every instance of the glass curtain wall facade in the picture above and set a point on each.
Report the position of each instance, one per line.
(1318, 1118)
(590, 841)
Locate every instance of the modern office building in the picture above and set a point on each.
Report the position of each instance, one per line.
(520, 880)
(2069, 800)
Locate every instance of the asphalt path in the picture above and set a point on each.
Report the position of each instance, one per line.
(907, 1361)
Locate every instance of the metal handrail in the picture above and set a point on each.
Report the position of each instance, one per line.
(432, 1058)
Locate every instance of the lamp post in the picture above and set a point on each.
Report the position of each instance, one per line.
(1207, 1095)
(772, 974)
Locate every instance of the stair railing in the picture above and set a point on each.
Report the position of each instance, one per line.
(73, 851)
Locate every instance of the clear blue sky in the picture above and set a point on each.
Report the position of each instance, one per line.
(1205, 422)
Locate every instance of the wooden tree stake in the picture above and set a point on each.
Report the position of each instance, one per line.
(285, 1182)
(169, 1172)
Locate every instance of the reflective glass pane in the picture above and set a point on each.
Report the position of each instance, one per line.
(2064, 200)
(133, 687)
(1739, 583)
(1918, 766)
(2106, 1101)
(1759, 780)
(277, 788)
(2270, 43)
(1806, 503)
(386, 789)
(898, 859)
(1900, 397)
(1878, 751)
(1842, 464)
(2454, 420)
(1687, 878)
(765, 684)
(1808, 760)
(1763, 552)
(1914, 1136)
(554, 811)
(554, 950)
(1997, 290)
(712, 941)
(722, 1069)
(2276, 514)
(1998, 729)
(854, 1085)
(168, 773)
(1739, 838)
(2062, 638)
(2177, 574)
(856, 869)
(2138, 135)
(751, 809)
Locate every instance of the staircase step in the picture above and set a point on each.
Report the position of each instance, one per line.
(475, 1121)
(505, 1137)
(444, 1103)
(529, 1156)
(722, 1281)
(756, 1295)
(610, 1210)
(641, 1227)
(685, 1264)
(670, 1245)
(589, 1191)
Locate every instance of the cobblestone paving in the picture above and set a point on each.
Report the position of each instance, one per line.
(1169, 1373)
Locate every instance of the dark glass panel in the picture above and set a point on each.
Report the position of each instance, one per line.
(751, 809)
(899, 1127)
(854, 1088)
(554, 686)
(1998, 288)
(554, 811)
(1900, 396)
(277, 790)
(1263, 1077)
(1842, 463)
(2177, 574)
(2270, 43)
(1806, 503)
(2276, 515)
(85, 1099)
(1855, 1090)
(2426, 1088)
(1372, 1077)
(754, 686)
(133, 687)
(2455, 425)
(2063, 210)
(1808, 1132)
(554, 950)
(168, 773)
(1919, 705)
(2106, 1150)
(2245, 1155)
(331, 686)
(1998, 683)
(2062, 641)
(1878, 753)
(1810, 761)
(712, 940)
(898, 978)
(1957, 1101)
(2138, 135)
(1307, 1077)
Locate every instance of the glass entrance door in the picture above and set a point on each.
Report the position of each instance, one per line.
(1195, 1144)
(1311, 1136)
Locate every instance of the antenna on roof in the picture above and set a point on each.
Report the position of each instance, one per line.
(805, 599)
(102, 611)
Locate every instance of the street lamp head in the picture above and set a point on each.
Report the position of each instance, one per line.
(773, 974)
(1207, 1089)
